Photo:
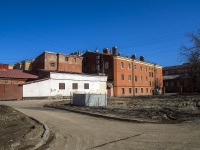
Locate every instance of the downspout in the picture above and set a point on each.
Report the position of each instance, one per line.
(133, 77)
(57, 61)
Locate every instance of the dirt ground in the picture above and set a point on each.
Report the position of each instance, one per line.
(157, 109)
(17, 131)
(75, 131)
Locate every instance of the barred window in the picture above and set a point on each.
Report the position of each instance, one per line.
(61, 85)
(74, 85)
(86, 85)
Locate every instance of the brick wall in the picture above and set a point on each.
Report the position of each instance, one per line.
(123, 76)
(105, 61)
(39, 62)
(12, 81)
(58, 62)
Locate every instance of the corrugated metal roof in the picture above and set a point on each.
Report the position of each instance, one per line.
(14, 73)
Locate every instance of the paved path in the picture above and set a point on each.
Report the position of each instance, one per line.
(82, 132)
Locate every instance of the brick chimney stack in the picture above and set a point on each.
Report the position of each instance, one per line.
(106, 51)
(141, 58)
(133, 56)
(114, 50)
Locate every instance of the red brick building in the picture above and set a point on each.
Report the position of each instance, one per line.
(126, 76)
(58, 62)
(180, 78)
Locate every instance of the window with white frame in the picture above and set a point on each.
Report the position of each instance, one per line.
(122, 65)
(129, 66)
(129, 77)
(130, 90)
(123, 91)
(106, 65)
(140, 68)
(122, 76)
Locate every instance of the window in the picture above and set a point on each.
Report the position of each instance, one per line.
(129, 66)
(74, 85)
(149, 74)
(136, 90)
(141, 90)
(122, 65)
(152, 74)
(66, 58)
(106, 65)
(146, 69)
(98, 67)
(140, 68)
(86, 85)
(166, 84)
(141, 78)
(156, 81)
(52, 64)
(172, 83)
(146, 79)
(130, 90)
(147, 90)
(122, 77)
(135, 67)
(129, 77)
(151, 83)
(86, 59)
(61, 85)
(156, 71)
(123, 91)
(135, 78)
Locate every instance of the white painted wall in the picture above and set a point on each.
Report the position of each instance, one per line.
(50, 87)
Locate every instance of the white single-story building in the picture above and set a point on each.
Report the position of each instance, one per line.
(64, 85)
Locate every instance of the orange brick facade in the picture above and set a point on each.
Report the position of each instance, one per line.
(128, 76)
(58, 62)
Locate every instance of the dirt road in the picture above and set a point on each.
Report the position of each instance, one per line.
(81, 132)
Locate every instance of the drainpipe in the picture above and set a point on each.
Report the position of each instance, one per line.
(133, 77)
(57, 61)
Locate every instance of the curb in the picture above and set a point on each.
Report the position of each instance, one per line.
(45, 135)
(102, 116)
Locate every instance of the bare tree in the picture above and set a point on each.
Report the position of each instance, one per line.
(191, 54)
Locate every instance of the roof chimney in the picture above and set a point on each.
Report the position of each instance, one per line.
(3, 66)
(141, 58)
(114, 50)
(133, 56)
(106, 51)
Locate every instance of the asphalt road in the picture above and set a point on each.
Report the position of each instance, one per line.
(81, 132)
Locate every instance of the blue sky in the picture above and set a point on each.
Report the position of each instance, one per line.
(152, 28)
